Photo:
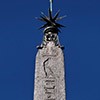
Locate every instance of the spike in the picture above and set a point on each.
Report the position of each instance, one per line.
(56, 15)
(43, 26)
(61, 18)
(40, 19)
(43, 14)
(45, 19)
(50, 14)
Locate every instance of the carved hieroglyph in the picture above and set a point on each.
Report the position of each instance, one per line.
(49, 74)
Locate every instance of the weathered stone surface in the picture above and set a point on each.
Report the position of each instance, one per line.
(49, 74)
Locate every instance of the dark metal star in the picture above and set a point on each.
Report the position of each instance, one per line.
(50, 20)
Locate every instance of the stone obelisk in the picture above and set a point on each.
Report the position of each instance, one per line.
(49, 68)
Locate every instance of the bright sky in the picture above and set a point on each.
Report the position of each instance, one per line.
(19, 36)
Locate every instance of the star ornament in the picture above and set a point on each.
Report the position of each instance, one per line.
(51, 21)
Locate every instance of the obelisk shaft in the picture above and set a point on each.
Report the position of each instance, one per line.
(49, 74)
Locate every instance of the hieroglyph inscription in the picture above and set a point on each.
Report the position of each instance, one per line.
(49, 82)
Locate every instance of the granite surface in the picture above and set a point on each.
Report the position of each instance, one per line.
(49, 74)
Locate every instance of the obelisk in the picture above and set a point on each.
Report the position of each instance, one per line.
(49, 67)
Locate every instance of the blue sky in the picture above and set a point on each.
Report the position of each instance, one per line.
(19, 36)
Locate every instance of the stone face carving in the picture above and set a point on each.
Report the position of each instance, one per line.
(49, 73)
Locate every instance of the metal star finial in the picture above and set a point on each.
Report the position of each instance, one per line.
(50, 20)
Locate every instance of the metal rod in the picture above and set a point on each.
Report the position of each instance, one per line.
(51, 2)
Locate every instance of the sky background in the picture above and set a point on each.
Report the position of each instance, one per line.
(19, 36)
